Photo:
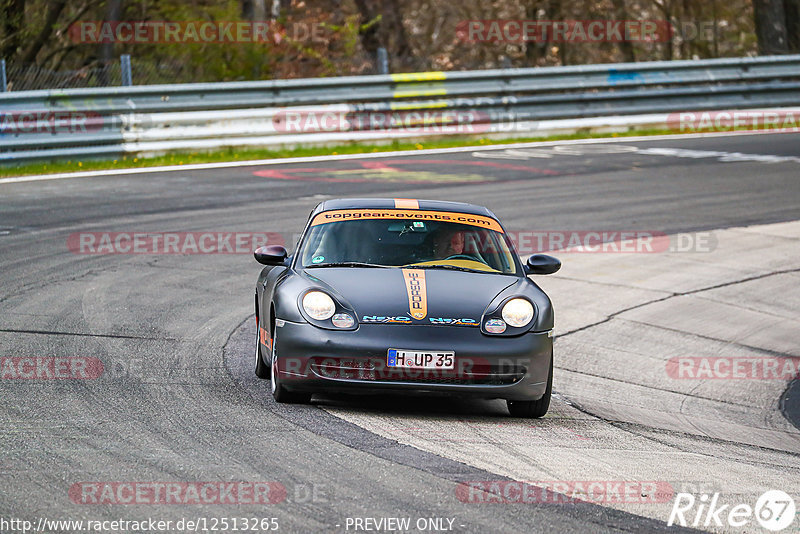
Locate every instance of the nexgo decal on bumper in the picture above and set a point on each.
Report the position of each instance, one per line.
(404, 319)
(381, 319)
(453, 322)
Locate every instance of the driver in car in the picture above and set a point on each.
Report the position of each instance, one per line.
(448, 242)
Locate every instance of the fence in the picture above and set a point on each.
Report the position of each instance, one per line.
(110, 122)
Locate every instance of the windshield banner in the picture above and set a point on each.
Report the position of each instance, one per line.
(411, 215)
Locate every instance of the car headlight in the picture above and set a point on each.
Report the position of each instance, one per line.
(517, 312)
(318, 305)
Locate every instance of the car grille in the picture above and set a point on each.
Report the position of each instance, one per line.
(375, 370)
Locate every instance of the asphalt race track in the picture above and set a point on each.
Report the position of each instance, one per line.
(175, 400)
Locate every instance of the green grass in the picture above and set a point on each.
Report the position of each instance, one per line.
(187, 158)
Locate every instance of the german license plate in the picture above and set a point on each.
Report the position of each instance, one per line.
(421, 359)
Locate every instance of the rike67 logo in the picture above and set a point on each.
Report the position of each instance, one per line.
(774, 510)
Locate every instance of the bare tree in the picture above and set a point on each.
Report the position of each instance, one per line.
(665, 7)
(257, 10)
(536, 50)
(113, 12)
(369, 36)
(625, 46)
(770, 17)
(792, 10)
(54, 10)
(13, 14)
(389, 31)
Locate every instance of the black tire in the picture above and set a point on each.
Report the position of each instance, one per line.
(279, 392)
(534, 409)
(262, 369)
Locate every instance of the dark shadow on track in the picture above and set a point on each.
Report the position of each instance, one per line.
(790, 403)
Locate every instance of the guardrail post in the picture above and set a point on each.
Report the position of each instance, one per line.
(3, 81)
(383, 61)
(125, 64)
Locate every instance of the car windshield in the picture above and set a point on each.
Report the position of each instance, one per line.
(400, 242)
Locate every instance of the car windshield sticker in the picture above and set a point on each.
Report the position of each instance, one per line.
(412, 215)
(318, 259)
(417, 295)
(419, 224)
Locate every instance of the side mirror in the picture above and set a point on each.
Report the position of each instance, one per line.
(270, 255)
(542, 264)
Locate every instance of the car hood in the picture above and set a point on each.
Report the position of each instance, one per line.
(381, 294)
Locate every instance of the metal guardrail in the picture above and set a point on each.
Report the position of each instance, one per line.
(110, 122)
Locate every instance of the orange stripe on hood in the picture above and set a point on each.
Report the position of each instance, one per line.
(417, 294)
(406, 204)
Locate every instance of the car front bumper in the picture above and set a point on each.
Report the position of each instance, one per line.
(315, 359)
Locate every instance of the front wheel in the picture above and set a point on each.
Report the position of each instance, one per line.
(537, 408)
(279, 392)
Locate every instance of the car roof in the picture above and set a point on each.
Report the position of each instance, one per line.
(401, 203)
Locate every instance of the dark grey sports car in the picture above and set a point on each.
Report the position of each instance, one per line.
(399, 295)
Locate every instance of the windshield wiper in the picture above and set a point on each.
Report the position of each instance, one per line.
(448, 267)
(347, 264)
